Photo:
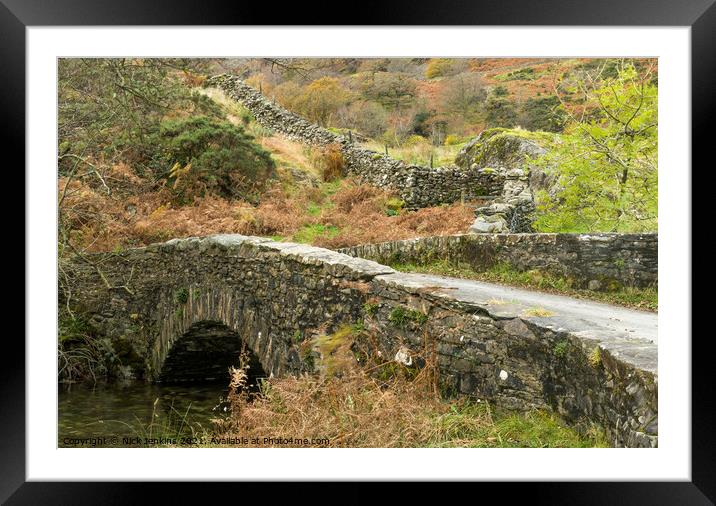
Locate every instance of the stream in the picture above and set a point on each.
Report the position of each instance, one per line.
(126, 410)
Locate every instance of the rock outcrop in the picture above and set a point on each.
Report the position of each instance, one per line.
(510, 154)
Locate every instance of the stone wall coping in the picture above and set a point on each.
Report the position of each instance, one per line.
(506, 236)
(309, 255)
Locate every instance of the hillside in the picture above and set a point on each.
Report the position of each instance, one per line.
(147, 153)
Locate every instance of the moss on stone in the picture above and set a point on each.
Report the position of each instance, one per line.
(181, 296)
(561, 348)
(401, 317)
(501, 146)
(370, 308)
(335, 350)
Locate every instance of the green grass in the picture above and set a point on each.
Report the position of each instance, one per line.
(475, 425)
(314, 209)
(639, 298)
(419, 154)
(309, 233)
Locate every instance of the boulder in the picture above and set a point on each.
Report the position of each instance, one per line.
(496, 225)
(502, 150)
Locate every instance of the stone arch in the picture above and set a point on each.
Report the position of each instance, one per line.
(204, 352)
(225, 317)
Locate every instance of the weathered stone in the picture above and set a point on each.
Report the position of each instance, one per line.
(594, 261)
(482, 226)
(193, 299)
(509, 154)
(594, 284)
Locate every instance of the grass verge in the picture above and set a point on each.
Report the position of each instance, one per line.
(637, 298)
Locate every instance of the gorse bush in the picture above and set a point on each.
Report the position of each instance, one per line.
(108, 108)
(543, 113)
(214, 156)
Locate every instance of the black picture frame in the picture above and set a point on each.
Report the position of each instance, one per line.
(700, 15)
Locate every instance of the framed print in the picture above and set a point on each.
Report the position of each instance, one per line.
(425, 246)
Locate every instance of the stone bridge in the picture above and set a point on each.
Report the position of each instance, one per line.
(183, 309)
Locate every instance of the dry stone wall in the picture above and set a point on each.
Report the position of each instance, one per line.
(418, 186)
(275, 297)
(596, 261)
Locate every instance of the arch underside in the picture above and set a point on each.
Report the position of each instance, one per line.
(205, 352)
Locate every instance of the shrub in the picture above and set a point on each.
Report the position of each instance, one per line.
(414, 140)
(543, 113)
(438, 67)
(453, 140)
(331, 163)
(214, 156)
(500, 91)
(418, 124)
(500, 112)
(109, 108)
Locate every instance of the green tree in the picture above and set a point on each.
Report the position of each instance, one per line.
(109, 107)
(607, 163)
